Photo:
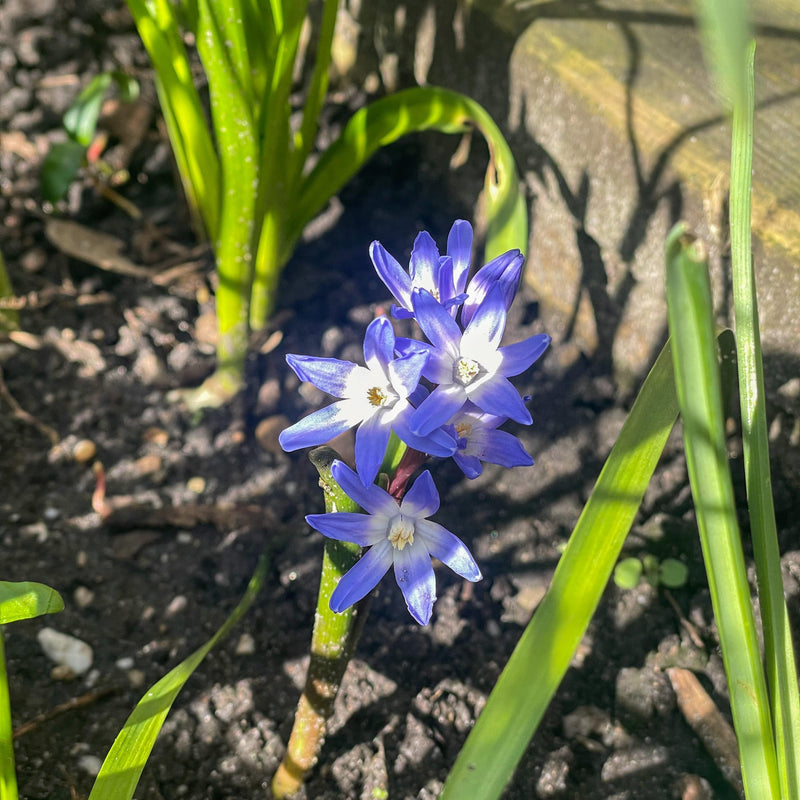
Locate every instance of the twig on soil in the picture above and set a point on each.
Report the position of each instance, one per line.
(81, 701)
(688, 627)
(24, 416)
(705, 719)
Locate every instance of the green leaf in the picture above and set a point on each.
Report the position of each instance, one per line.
(725, 35)
(779, 654)
(673, 573)
(9, 318)
(412, 111)
(80, 119)
(60, 168)
(627, 573)
(697, 381)
(542, 656)
(26, 600)
(122, 768)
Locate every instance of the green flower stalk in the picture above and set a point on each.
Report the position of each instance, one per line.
(332, 644)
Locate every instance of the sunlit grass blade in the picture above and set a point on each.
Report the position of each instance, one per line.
(778, 648)
(122, 768)
(9, 318)
(191, 140)
(18, 600)
(700, 399)
(410, 111)
(26, 600)
(725, 29)
(540, 660)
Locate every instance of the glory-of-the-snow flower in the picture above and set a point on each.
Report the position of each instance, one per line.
(469, 364)
(397, 534)
(374, 397)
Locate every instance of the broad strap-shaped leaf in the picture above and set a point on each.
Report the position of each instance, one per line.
(542, 656)
(412, 111)
(80, 119)
(700, 398)
(122, 768)
(26, 600)
(189, 135)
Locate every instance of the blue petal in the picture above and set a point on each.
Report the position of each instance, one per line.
(438, 443)
(498, 396)
(404, 346)
(401, 313)
(319, 427)
(362, 578)
(372, 436)
(445, 280)
(469, 465)
(448, 548)
(370, 497)
(379, 343)
(414, 575)
(346, 526)
(424, 263)
(459, 248)
(437, 408)
(518, 357)
(487, 325)
(328, 374)
(435, 321)
(439, 367)
(405, 372)
(503, 271)
(395, 278)
(422, 499)
(498, 447)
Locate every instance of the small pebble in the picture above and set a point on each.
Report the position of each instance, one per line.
(268, 430)
(66, 650)
(148, 464)
(84, 450)
(36, 530)
(125, 663)
(184, 537)
(90, 764)
(51, 513)
(246, 645)
(196, 485)
(81, 559)
(83, 596)
(61, 672)
(176, 605)
(156, 436)
(136, 678)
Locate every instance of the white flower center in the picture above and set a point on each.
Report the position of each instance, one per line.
(466, 370)
(401, 533)
(463, 429)
(377, 396)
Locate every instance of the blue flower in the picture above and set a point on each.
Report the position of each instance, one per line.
(469, 365)
(443, 276)
(396, 534)
(479, 440)
(374, 397)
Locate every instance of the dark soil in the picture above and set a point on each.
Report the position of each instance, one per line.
(145, 588)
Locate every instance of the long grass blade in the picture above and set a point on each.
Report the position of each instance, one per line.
(700, 397)
(778, 649)
(122, 768)
(183, 112)
(540, 660)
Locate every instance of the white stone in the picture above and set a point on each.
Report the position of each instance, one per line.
(66, 650)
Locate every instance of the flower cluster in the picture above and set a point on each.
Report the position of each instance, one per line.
(459, 416)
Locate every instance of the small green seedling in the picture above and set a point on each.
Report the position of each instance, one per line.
(65, 159)
(669, 573)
